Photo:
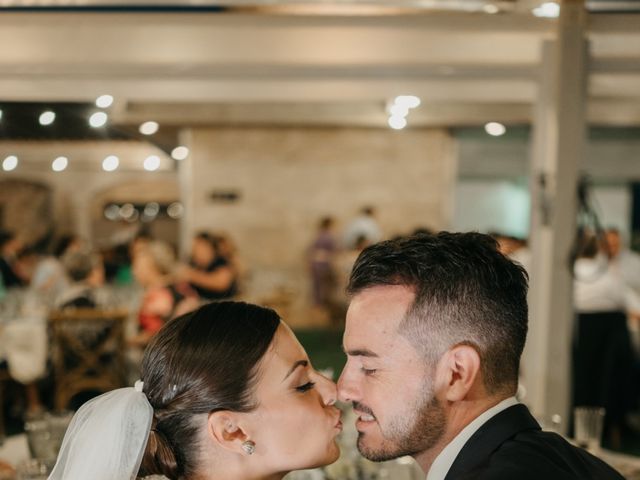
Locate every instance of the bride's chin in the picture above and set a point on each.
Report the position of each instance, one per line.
(334, 453)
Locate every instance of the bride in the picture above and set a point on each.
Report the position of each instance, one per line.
(227, 392)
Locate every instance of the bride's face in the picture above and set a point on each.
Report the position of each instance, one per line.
(295, 424)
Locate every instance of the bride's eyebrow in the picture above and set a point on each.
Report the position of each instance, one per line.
(299, 363)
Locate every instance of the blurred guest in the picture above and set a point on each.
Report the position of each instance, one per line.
(364, 224)
(124, 255)
(27, 261)
(321, 256)
(117, 263)
(227, 249)
(49, 275)
(10, 247)
(344, 261)
(6, 470)
(140, 241)
(602, 357)
(86, 273)
(623, 261)
(625, 264)
(515, 248)
(163, 299)
(209, 274)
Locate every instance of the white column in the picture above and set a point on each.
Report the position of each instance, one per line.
(185, 185)
(558, 149)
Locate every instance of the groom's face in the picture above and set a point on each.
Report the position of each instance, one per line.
(387, 378)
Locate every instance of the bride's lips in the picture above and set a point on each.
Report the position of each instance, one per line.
(338, 422)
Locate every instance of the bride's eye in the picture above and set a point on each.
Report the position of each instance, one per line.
(306, 387)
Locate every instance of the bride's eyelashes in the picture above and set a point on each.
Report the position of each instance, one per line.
(306, 387)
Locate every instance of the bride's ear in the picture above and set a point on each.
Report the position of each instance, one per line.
(225, 430)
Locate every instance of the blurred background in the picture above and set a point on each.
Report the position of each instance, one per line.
(158, 154)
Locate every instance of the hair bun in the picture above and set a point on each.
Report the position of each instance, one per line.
(159, 457)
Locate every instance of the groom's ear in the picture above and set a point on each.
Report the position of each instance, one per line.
(460, 367)
(225, 431)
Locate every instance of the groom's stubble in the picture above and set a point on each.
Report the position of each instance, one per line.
(415, 430)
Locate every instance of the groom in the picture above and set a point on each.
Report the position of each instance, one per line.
(434, 334)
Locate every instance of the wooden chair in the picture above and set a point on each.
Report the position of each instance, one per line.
(88, 349)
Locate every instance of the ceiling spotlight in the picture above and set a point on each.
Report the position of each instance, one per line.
(547, 10)
(149, 128)
(180, 153)
(134, 216)
(175, 210)
(409, 101)
(59, 164)
(47, 118)
(397, 123)
(127, 210)
(490, 8)
(112, 212)
(104, 101)
(110, 163)
(152, 163)
(10, 163)
(495, 129)
(397, 110)
(151, 209)
(98, 119)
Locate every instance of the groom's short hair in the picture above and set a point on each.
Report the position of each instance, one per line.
(466, 292)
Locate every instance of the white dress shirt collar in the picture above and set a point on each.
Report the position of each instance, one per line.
(448, 455)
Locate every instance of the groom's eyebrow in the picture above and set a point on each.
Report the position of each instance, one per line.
(361, 352)
(299, 363)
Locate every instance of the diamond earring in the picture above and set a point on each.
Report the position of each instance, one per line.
(249, 447)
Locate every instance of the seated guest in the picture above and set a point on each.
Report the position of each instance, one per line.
(210, 274)
(86, 273)
(227, 249)
(49, 275)
(163, 299)
(6, 470)
(10, 247)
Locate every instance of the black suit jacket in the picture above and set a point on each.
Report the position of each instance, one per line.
(511, 446)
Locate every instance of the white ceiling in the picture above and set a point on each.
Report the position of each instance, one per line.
(208, 68)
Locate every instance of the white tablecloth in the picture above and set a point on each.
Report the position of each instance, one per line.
(15, 449)
(627, 465)
(24, 345)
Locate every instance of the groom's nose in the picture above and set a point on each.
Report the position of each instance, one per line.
(327, 390)
(347, 386)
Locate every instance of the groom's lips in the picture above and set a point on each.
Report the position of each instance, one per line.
(364, 419)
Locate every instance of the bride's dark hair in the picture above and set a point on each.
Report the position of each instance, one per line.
(200, 363)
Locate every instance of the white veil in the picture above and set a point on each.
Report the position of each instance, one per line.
(106, 438)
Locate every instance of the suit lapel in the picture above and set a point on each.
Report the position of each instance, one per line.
(489, 437)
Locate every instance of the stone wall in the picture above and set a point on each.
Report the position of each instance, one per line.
(34, 198)
(286, 179)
